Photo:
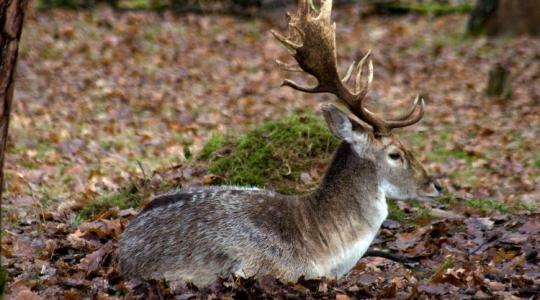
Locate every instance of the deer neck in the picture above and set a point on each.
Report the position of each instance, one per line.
(351, 190)
(350, 180)
(347, 211)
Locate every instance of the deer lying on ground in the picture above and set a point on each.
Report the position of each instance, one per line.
(200, 233)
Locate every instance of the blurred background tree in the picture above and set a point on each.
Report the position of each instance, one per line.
(505, 17)
(11, 22)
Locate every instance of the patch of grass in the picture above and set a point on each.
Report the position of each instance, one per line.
(440, 154)
(75, 220)
(421, 217)
(415, 138)
(127, 197)
(394, 213)
(487, 206)
(113, 144)
(143, 4)
(447, 199)
(273, 154)
(536, 161)
(448, 263)
(484, 206)
(530, 207)
(430, 8)
(466, 177)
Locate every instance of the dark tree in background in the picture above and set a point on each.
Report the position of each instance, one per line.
(11, 21)
(505, 17)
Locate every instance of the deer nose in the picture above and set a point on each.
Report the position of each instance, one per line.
(437, 186)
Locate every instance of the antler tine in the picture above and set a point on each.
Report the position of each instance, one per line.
(325, 10)
(349, 73)
(291, 46)
(410, 112)
(296, 86)
(356, 65)
(359, 86)
(410, 119)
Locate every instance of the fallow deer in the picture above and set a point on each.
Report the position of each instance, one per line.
(199, 233)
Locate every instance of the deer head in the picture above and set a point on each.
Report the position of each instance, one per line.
(311, 41)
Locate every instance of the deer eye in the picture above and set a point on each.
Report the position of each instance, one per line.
(394, 155)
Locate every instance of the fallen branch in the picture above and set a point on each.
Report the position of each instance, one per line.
(394, 257)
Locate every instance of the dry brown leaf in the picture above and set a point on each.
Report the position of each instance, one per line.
(91, 262)
(102, 228)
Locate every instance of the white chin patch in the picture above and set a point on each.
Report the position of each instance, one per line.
(391, 190)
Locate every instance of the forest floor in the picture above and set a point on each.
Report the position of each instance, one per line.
(106, 100)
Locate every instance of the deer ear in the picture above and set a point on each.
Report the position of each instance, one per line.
(338, 122)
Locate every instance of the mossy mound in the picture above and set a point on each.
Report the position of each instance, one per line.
(273, 155)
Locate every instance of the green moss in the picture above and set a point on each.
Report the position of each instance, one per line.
(273, 154)
(129, 196)
(214, 143)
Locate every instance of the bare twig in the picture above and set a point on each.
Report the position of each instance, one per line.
(390, 256)
(145, 180)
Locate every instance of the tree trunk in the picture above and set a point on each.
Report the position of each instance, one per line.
(480, 15)
(505, 17)
(11, 21)
(499, 82)
(515, 18)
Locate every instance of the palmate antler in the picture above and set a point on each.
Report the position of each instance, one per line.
(312, 42)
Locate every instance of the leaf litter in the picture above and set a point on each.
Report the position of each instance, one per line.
(103, 98)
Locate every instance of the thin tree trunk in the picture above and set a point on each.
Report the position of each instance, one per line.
(515, 18)
(11, 21)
